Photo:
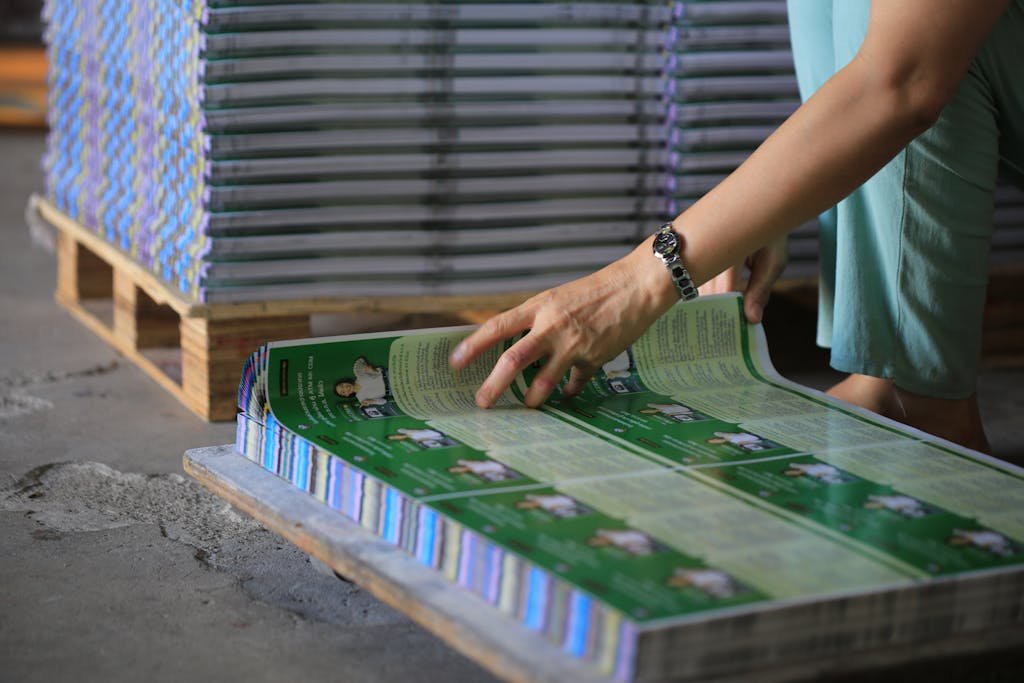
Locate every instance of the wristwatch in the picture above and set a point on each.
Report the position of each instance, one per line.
(666, 248)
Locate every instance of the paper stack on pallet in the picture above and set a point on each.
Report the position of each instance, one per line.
(690, 515)
(249, 150)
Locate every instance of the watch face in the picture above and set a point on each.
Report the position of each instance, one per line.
(666, 243)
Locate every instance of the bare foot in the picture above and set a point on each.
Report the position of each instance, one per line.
(956, 420)
(874, 393)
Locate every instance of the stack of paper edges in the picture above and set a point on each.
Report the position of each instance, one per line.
(262, 150)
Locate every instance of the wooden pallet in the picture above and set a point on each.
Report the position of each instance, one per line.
(196, 351)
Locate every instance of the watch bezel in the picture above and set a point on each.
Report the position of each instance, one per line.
(666, 242)
(666, 245)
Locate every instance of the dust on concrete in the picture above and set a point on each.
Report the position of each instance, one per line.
(54, 377)
(19, 404)
(16, 402)
(83, 497)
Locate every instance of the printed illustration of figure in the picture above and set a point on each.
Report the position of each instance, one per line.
(618, 367)
(369, 385)
(676, 411)
(985, 539)
(903, 505)
(556, 504)
(488, 470)
(826, 474)
(714, 582)
(632, 541)
(424, 438)
(620, 374)
(745, 440)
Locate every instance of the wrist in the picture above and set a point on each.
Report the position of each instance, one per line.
(654, 279)
(668, 248)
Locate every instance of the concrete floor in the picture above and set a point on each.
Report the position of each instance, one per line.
(115, 567)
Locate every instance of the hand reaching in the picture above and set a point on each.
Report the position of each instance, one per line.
(765, 265)
(583, 324)
(579, 325)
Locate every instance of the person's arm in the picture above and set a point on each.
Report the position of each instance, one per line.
(914, 56)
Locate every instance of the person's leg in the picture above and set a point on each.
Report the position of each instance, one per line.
(874, 393)
(810, 32)
(913, 248)
(957, 420)
(813, 37)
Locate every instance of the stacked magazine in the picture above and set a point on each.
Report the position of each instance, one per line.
(263, 150)
(690, 515)
(253, 150)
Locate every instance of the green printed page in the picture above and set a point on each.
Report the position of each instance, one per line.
(344, 396)
(688, 476)
(391, 407)
(599, 553)
(698, 392)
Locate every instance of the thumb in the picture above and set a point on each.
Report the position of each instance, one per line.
(765, 268)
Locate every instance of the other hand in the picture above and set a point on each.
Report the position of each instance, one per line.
(765, 266)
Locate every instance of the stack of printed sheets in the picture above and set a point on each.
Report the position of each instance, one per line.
(265, 150)
(255, 150)
(690, 515)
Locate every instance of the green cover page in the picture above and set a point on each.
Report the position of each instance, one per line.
(687, 477)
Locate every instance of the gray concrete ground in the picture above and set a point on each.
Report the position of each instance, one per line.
(116, 567)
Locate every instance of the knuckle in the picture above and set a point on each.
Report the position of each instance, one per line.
(494, 326)
(560, 320)
(518, 356)
(542, 385)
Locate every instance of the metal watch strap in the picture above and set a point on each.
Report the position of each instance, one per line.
(676, 269)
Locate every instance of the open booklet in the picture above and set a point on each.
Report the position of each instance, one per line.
(688, 484)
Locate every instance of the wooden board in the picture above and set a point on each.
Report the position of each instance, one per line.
(463, 620)
(196, 359)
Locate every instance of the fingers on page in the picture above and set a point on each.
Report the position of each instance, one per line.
(515, 359)
(578, 378)
(547, 379)
(495, 330)
(766, 270)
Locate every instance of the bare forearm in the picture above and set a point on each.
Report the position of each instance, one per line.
(834, 143)
(915, 54)
(859, 120)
